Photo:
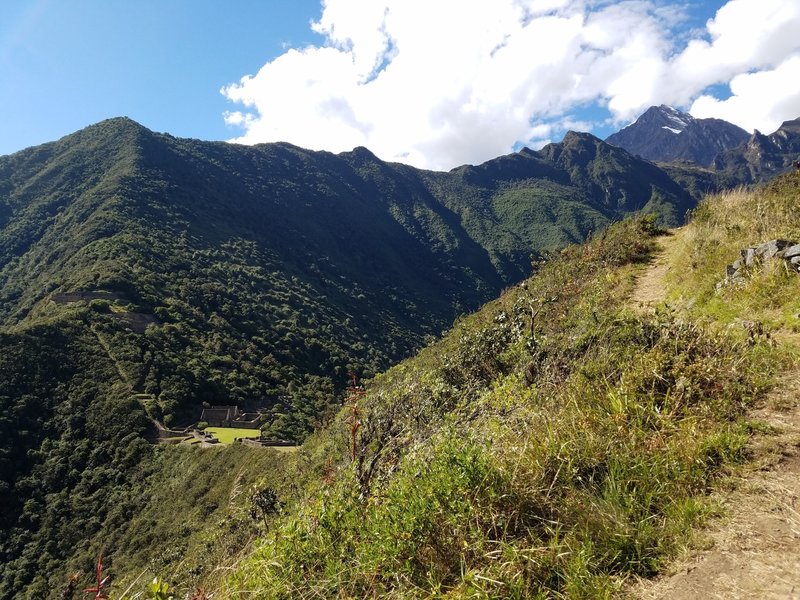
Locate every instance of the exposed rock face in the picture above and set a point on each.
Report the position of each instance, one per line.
(763, 156)
(665, 134)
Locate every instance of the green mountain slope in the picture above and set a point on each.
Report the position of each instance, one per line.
(71, 452)
(305, 263)
(134, 266)
(557, 442)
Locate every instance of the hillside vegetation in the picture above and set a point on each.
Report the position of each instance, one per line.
(261, 275)
(552, 443)
(143, 275)
(556, 442)
(78, 478)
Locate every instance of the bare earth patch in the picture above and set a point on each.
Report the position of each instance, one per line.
(754, 550)
(650, 288)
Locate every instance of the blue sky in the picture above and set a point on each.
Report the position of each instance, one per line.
(434, 83)
(67, 64)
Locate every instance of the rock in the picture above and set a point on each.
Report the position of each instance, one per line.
(791, 251)
(749, 256)
(782, 249)
(771, 248)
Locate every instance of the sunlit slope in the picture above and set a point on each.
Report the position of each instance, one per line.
(554, 443)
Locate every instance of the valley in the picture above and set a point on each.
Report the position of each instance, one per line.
(553, 442)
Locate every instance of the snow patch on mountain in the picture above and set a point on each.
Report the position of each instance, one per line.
(679, 118)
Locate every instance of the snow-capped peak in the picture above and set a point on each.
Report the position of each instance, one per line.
(678, 118)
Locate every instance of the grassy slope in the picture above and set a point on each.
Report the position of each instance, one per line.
(268, 272)
(720, 229)
(470, 482)
(553, 456)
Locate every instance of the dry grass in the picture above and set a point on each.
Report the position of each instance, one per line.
(754, 552)
(721, 227)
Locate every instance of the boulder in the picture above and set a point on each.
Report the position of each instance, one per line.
(749, 256)
(771, 248)
(781, 249)
(791, 251)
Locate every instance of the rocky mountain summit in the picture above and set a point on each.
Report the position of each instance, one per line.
(665, 134)
(763, 156)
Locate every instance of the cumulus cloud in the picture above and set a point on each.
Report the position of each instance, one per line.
(438, 83)
(760, 100)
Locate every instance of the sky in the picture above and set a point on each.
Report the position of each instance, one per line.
(433, 83)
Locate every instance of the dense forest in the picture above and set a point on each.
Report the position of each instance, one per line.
(267, 273)
(71, 451)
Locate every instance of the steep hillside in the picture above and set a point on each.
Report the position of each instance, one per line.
(261, 267)
(142, 275)
(556, 442)
(762, 157)
(72, 456)
(665, 134)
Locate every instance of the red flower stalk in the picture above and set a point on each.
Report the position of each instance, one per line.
(98, 592)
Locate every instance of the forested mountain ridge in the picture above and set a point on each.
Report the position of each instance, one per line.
(564, 440)
(137, 265)
(308, 262)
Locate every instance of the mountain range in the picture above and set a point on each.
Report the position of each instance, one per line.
(309, 263)
(762, 157)
(664, 134)
(144, 276)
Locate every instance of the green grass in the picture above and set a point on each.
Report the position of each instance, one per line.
(525, 458)
(721, 227)
(198, 517)
(226, 435)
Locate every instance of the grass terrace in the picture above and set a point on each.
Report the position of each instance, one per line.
(227, 435)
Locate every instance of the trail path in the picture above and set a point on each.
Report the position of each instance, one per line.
(159, 431)
(753, 551)
(650, 288)
(107, 349)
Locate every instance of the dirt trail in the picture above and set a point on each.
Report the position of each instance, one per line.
(649, 289)
(753, 551)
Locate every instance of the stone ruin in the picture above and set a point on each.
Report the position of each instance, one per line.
(232, 416)
(785, 250)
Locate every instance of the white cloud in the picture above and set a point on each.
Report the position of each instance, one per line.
(761, 100)
(437, 83)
